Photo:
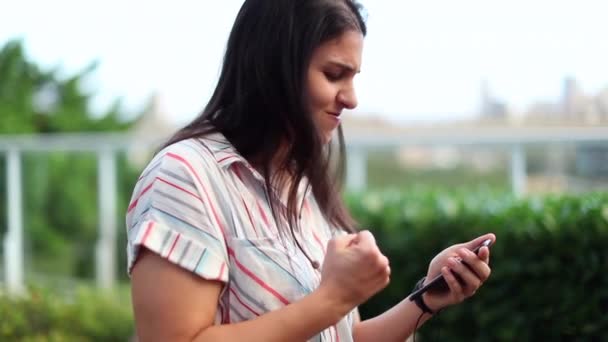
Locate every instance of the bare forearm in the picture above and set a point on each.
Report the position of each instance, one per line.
(298, 321)
(396, 324)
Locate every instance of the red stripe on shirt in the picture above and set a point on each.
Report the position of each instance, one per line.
(258, 280)
(227, 157)
(263, 215)
(318, 241)
(237, 172)
(222, 271)
(147, 233)
(134, 203)
(180, 188)
(238, 175)
(243, 304)
(215, 215)
(173, 246)
(250, 219)
(306, 206)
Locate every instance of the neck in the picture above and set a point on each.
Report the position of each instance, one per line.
(280, 176)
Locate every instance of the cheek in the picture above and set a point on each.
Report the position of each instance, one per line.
(320, 93)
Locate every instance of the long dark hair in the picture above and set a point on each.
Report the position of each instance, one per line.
(259, 103)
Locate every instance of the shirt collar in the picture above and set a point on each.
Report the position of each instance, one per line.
(227, 156)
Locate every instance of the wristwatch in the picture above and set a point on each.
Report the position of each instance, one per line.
(418, 300)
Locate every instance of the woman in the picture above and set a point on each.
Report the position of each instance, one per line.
(236, 229)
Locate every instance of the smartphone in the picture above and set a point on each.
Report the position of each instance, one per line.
(438, 283)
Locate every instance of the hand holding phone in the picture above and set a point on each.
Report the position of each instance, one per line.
(438, 283)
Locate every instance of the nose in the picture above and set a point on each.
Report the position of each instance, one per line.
(348, 98)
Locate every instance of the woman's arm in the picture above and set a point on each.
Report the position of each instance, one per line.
(171, 304)
(396, 324)
(399, 322)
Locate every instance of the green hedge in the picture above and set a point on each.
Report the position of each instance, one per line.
(549, 280)
(549, 277)
(85, 315)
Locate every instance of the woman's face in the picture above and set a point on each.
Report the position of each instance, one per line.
(330, 87)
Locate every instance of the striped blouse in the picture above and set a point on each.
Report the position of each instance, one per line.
(200, 205)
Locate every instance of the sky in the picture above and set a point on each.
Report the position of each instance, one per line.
(422, 60)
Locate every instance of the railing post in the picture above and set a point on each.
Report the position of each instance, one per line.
(356, 172)
(13, 242)
(518, 170)
(106, 242)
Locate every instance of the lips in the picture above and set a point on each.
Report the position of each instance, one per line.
(334, 118)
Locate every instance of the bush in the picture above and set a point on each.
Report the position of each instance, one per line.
(549, 279)
(85, 316)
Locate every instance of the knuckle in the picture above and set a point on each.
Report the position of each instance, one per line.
(367, 235)
(370, 253)
(382, 261)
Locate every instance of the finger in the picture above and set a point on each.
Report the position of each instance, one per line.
(366, 239)
(383, 260)
(342, 241)
(384, 274)
(469, 257)
(379, 267)
(453, 284)
(472, 261)
(386, 281)
(470, 280)
(484, 254)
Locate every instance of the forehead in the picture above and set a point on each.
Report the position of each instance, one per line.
(346, 48)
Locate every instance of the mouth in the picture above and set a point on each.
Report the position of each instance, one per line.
(336, 114)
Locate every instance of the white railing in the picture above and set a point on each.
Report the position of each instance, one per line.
(359, 144)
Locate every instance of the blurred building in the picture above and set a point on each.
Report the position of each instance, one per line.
(574, 107)
(443, 156)
(153, 124)
(491, 108)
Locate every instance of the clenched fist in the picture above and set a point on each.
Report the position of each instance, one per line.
(354, 269)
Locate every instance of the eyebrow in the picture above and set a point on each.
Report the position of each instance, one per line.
(345, 66)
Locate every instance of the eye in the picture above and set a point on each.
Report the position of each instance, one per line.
(333, 76)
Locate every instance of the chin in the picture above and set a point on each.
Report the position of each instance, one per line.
(327, 138)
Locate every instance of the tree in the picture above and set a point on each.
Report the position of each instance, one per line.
(59, 188)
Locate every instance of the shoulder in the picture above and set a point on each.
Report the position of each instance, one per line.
(190, 158)
(193, 150)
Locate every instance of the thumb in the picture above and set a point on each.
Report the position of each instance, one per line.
(478, 240)
(343, 241)
(364, 238)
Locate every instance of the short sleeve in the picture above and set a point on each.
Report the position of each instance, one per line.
(171, 214)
